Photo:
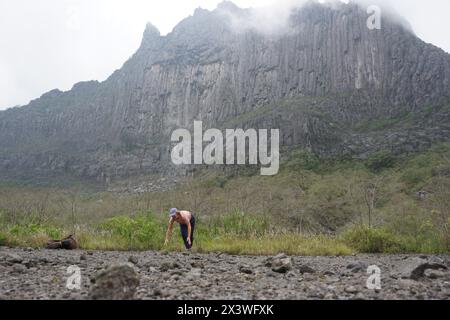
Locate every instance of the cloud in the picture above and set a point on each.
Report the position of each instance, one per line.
(50, 44)
(270, 19)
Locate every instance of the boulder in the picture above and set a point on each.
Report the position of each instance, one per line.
(414, 268)
(12, 258)
(280, 263)
(246, 269)
(306, 269)
(118, 282)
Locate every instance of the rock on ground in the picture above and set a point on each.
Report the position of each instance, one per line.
(43, 274)
(118, 282)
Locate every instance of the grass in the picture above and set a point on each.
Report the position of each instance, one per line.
(312, 207)
(292, 244)
(233, 234)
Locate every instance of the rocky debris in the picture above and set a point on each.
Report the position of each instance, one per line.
(197, 264)
(356, 267)
(118, 282)
(306, 269)
(280, 263)
(168, 265)
(193, 273)
(133, 259)
(42, 274)
(414, 268)
(156, 184)
(246, 269)
(19, 268)
(351, 290)
(435, 274)
(12, 258)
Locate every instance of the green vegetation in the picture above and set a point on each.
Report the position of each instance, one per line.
(234, 233)
(380, 161)
(384, 204)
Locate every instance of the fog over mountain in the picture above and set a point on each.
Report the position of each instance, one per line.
(331, 85)
(51, 44)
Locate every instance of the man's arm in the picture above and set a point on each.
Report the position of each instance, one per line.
(189, 232)
(169, 231)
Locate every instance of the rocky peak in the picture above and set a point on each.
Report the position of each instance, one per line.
(228, 6)
(151, 31)
(330, 74)
(151, 35)
(52, 94)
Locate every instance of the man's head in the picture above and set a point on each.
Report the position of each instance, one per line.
(173, 212)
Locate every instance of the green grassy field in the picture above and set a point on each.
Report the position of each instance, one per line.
(384, 204)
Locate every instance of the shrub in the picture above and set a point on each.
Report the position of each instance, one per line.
(414, 177)
(241, 224)
(35, 229)
(372, 240)
(3, 239)
(380, 161)
(140, 232)
(304, 160)
(31, 235)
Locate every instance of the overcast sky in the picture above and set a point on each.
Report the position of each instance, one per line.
(48, 44)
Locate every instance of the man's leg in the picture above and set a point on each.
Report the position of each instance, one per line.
(192, 230)
(184, 235)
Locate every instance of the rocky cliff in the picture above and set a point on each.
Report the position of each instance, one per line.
(326, 80)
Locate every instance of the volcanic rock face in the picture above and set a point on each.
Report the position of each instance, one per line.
(323, 80)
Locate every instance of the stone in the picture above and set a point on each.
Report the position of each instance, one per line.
(13, 258)
(414, 268)
(197, 264)
(360, 296)
(166, 266)
(118, 282)
(435, 274)
(246, 269)
(133, 259)
(195, 273)
(281, 265)
(329, 296)
(306, 269)
(351, 290)
(19, 268)
(357, 267)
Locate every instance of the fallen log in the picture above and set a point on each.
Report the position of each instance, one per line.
(68, 243)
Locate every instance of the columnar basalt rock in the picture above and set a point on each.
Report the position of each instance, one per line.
(320, 81)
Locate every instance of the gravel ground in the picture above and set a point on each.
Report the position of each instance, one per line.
(43, 274)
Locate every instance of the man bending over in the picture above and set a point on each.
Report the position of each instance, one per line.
(187, 224)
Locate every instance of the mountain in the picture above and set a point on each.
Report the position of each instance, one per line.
(326, 80)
